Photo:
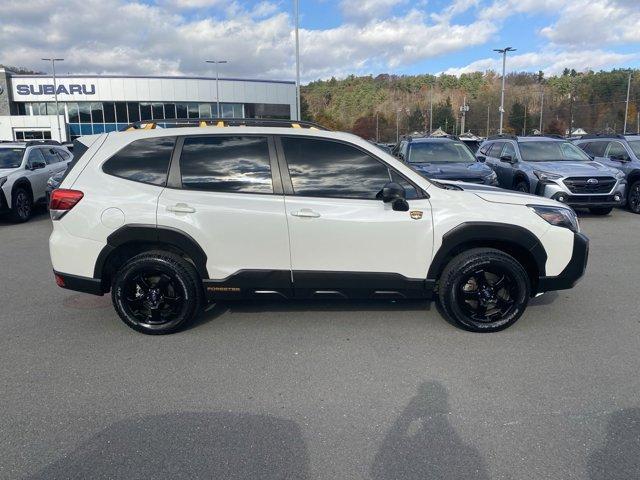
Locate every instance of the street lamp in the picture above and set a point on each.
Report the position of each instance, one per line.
(55, 90)
(503, 51)
(216, 63)
(296, 4)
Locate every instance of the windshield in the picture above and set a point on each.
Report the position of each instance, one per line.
(11, 157)
(635, 146)
(551, 152)
(440, 152)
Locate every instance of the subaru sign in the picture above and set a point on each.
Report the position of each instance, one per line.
(49, 89)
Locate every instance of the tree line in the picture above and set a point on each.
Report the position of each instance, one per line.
(381, 106)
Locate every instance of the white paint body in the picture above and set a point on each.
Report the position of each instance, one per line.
(240, 231)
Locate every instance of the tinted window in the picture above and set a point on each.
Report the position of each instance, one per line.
(509, 150)
(11, 157)
(226, 164)
(635, 146)
(551, 151)
(35, 156)
(495, 149)
(50, 156)
(595, 149)
(617, 150)
(145, 161)
(321, 168)
(440, 152)
(409, 190)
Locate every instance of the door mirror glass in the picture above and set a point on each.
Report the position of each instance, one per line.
(390, 192)
(507, 158)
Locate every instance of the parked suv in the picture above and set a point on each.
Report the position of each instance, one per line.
(555, 168)
(25, 168)
(169, 219)
(445, 158)
(621, 152)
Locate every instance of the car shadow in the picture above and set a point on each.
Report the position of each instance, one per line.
(216, 445)
(422, 443)
(619, 457)
(40, 213)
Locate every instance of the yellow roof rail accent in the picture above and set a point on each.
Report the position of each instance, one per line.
(314, 128)
(203, 124)
(149, 126)
(220, 124)
(130, 128)
(296, 125)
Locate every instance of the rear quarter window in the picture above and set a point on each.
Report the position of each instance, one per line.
(145, 161)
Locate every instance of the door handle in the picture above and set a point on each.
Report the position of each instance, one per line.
(181, 208)
(305, 212)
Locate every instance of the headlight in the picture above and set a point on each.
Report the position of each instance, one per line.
(557, 216)
(619, 175)
(3, 180)
(546, 176)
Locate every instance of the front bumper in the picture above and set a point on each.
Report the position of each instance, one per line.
(574, 270)
(4, 206)
(558, 191)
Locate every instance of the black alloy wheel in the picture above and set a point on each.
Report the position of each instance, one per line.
(522, 187)
(487, 295)
(483, 290)
(157, 292)
(22, 206)
(633, 200)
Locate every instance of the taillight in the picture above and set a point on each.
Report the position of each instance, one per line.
(63, 200)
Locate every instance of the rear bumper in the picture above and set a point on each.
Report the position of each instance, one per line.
(79, 284)
(574, 270)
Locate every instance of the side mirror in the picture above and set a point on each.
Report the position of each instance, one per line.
(481, 159)
(390, 192)
(400, 205)
(619, 158)
(36, 165)
(507, 159)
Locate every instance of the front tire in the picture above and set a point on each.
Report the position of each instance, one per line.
(21, 205)
(483, 290)
(633, 200)
(157, 293)
(522, 186)
(601, 210)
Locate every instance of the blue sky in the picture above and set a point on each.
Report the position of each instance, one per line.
(338, 37)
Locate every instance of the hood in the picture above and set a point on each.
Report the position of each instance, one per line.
(6, 171)
(500, 195)
(452, 170)
(573, 168)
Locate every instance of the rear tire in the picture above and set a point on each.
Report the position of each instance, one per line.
(21, 205)
(633, 199)
(601, 210)
(483, 290)
(157, 293)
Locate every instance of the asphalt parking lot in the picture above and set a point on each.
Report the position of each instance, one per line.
(322, 390)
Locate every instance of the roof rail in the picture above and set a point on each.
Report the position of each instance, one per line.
(31, 143)
(221, 122)
(547, 135)
(502, 135)
(601, 135)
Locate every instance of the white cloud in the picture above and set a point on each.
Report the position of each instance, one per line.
(362, 11)
(501, 9)
(550, 62)
(596, 22)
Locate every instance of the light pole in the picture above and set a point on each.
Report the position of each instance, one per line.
(464, 109)
(431, 109)
(626, 107)
(55, 90)
(503, 51)
(216, 63)
(541, 107)
(297, 17)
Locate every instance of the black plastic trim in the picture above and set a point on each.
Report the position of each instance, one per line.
(153, 234)
(574, 270)
(81, 284)
(487, 231)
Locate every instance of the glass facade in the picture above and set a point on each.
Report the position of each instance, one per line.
(86, 118)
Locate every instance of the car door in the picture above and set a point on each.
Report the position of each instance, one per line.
(505, 170)
(224, 191)
(38, 173)
(342, 238)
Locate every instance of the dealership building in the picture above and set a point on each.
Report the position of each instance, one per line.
(106, 103)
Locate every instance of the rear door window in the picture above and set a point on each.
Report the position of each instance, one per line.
(51, 156)
(220, 163)
(508, 150)
(145, 161)
(617, 150)
(495, 150)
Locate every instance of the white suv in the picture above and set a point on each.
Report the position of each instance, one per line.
(168, 219)
(25, 168)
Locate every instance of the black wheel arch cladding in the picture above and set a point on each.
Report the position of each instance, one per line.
(487, 234)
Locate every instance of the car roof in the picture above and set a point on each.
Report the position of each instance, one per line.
(536, 138)
(12, 145)
(433, 140)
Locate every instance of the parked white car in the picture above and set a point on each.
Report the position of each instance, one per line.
(170, 219)
(25, 168)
